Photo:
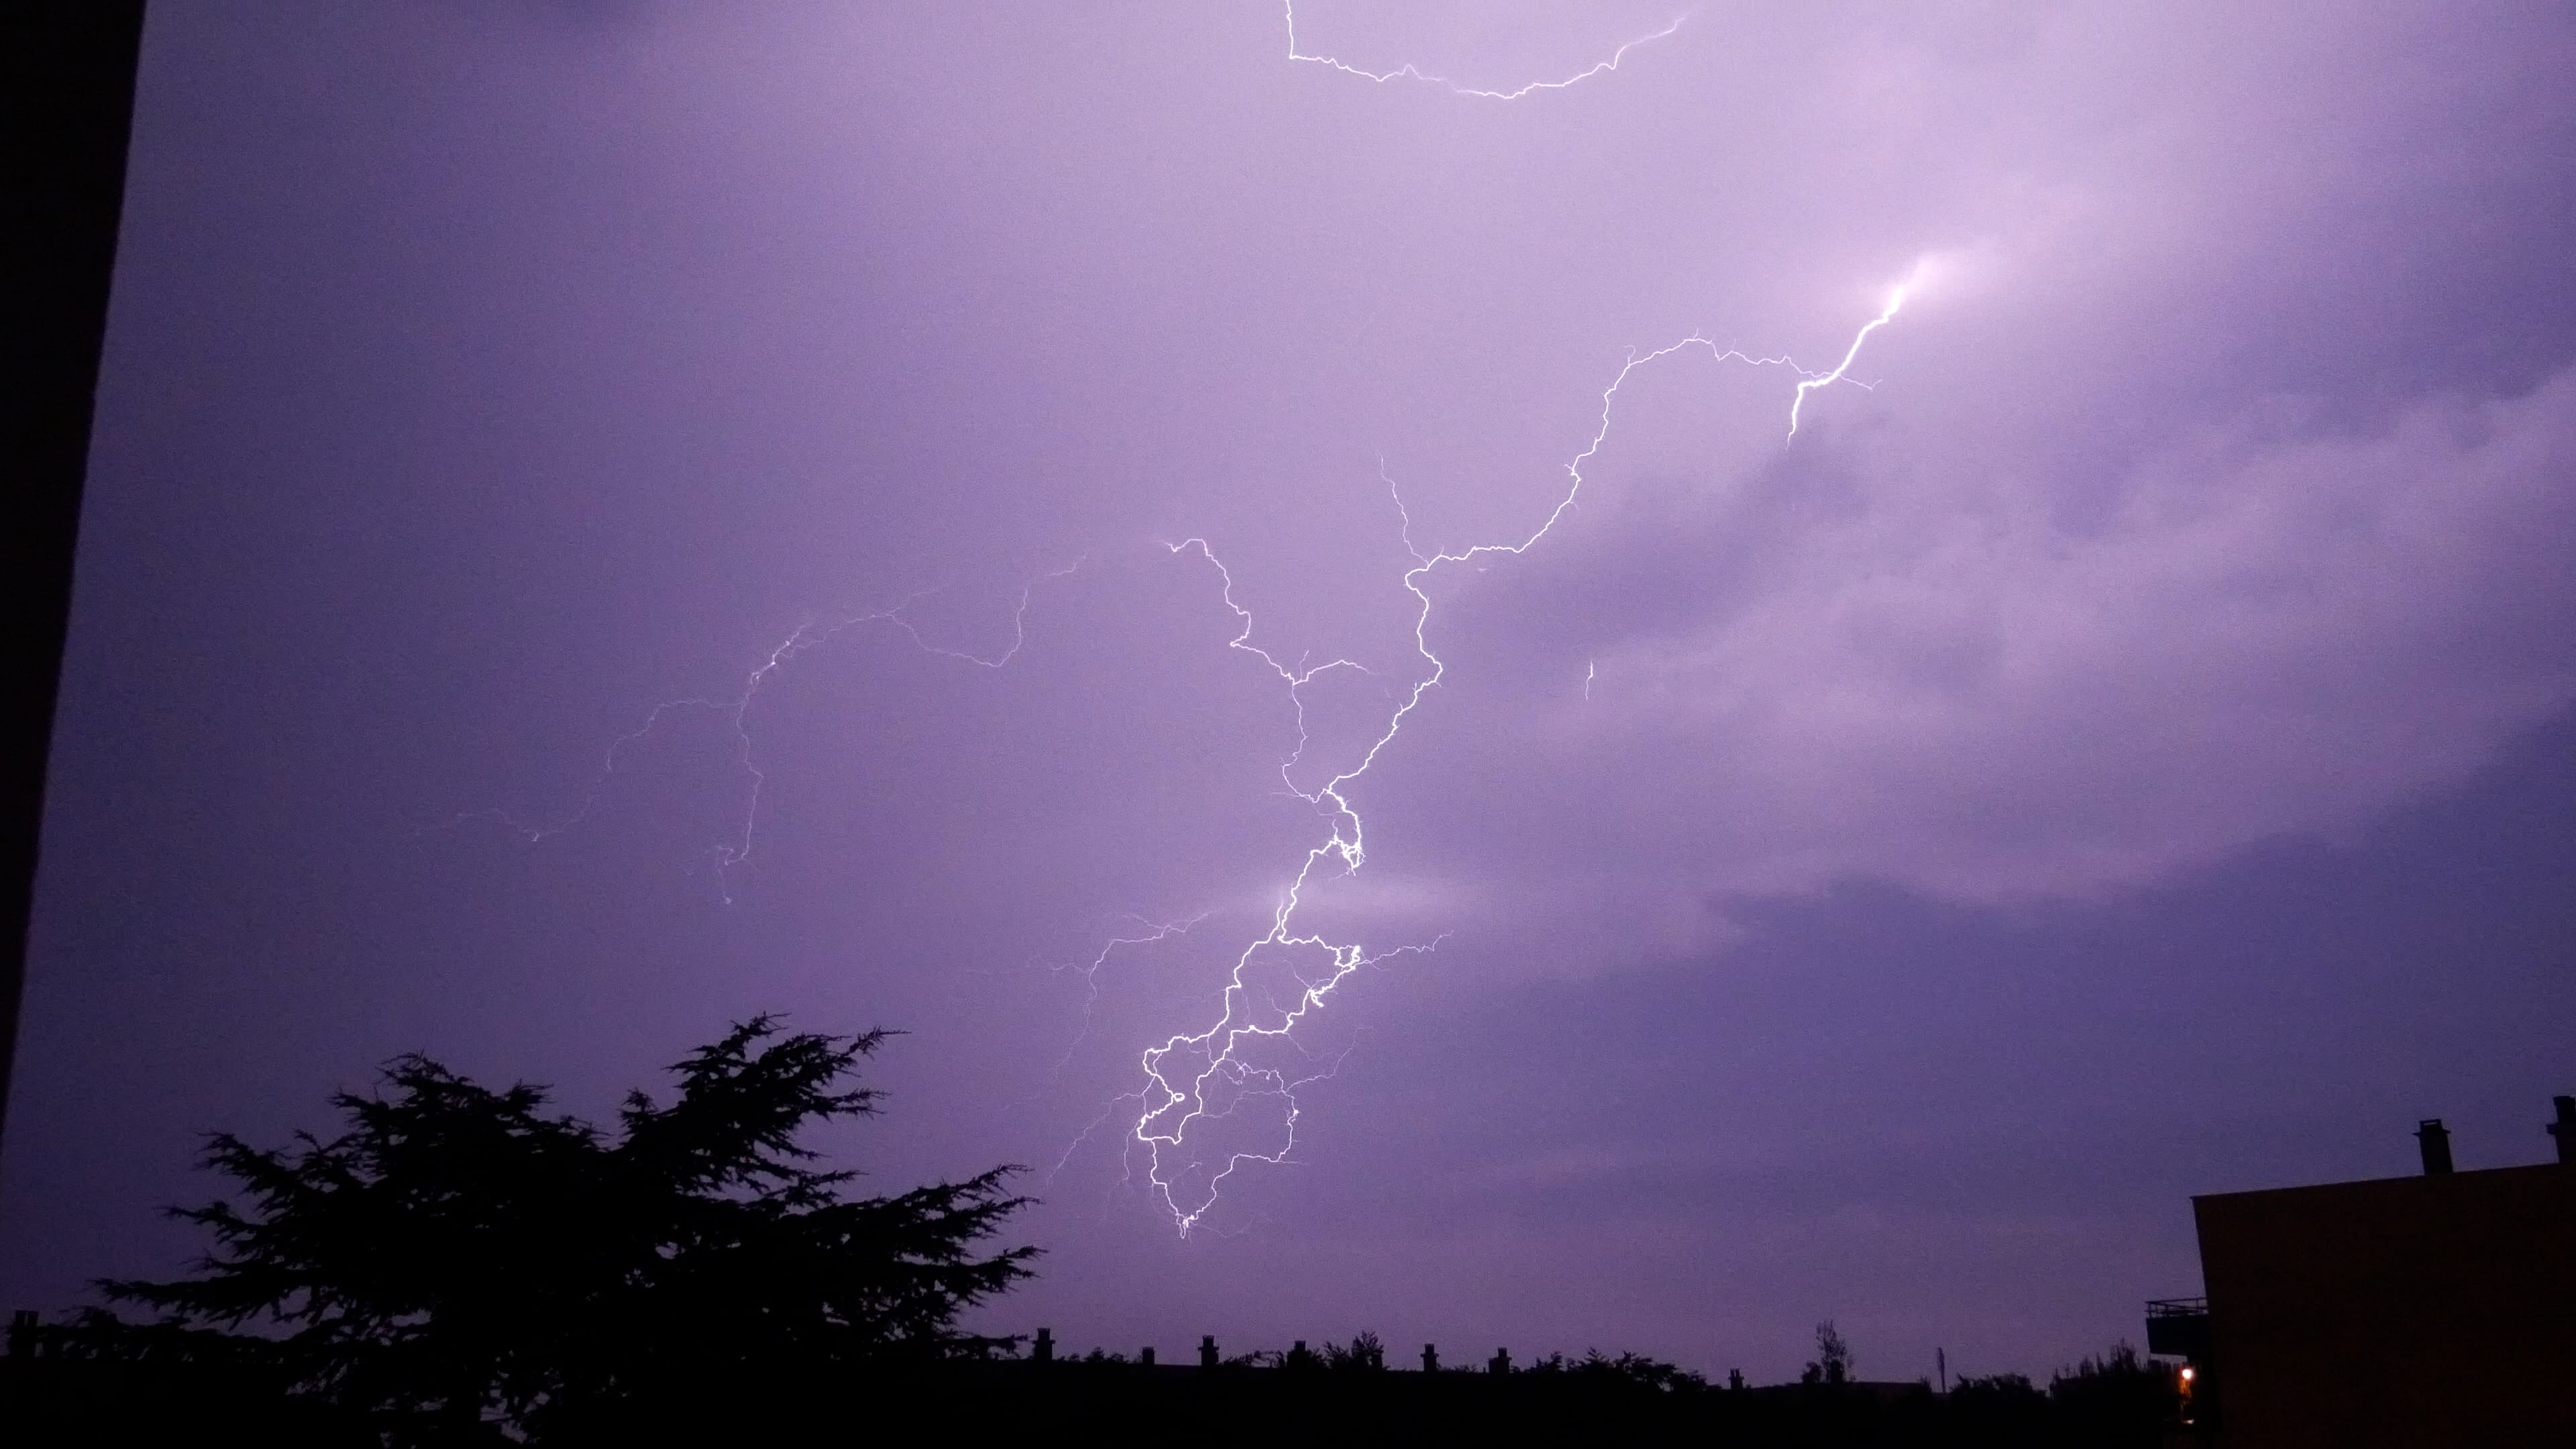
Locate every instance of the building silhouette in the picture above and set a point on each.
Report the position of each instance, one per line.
(2430, 1310)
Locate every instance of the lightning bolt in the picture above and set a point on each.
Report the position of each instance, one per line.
(1195, 1080)
(1409, 71)
(1198, 1079)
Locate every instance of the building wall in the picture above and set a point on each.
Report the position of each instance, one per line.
(2437, 1310)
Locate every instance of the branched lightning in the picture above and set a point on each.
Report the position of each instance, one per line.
(1216, 1070)
(735, 712)
(1173, 1099)
(1091, 969)
(1409, 71)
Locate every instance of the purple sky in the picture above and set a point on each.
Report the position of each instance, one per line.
(2125, 753)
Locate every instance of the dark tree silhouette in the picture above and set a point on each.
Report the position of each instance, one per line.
(459, 1261)
(1833, 1361)
(1365, 1354)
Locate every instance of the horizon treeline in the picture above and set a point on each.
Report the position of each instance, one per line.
(459, 1265)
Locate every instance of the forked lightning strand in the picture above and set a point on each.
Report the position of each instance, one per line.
(734, 711)
(1409, 71)
(1217, 1071)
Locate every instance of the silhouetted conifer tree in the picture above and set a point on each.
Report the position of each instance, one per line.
(458, 1260)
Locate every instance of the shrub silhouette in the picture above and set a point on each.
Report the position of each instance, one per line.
(2119, 1388)
(459, 1262)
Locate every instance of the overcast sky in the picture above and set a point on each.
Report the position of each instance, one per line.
(2122, 751)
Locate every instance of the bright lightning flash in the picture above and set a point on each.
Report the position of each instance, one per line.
(1195, 1081)
(1842, 369)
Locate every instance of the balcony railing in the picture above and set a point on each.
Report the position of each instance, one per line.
(2178, 1327)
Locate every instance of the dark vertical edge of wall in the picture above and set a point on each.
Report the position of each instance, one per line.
(67, 72)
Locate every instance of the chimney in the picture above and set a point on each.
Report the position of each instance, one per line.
(1043, 1351)
(2564, 1129)
(1502, 1362)
(2435, 1139)
(1207, 1352)
(1145, 1356)
(1430, 1359)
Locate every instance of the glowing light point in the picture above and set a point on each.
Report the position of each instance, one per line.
(1895, 300)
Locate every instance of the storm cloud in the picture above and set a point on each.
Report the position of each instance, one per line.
(1818, 835)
